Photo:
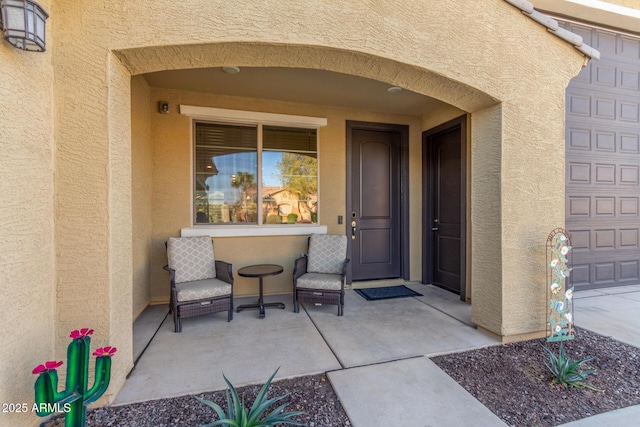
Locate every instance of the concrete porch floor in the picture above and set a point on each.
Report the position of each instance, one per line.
(392, 334)
(375, 354)
(248, 349)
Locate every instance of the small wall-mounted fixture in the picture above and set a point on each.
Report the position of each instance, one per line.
(231, 69)
(163, 107)
(394, 89)
(23, 24)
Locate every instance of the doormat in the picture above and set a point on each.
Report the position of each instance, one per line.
(387, 292)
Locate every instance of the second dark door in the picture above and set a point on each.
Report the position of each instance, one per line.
(373, 222)
(445, 218)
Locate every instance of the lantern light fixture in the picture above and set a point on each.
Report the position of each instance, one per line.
(23, 24)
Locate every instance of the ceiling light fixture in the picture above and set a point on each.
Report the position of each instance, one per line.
(231, 69)
(23, 24)
(394, 89)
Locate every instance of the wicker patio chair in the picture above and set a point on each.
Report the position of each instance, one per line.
(318, 277)
(199, 284)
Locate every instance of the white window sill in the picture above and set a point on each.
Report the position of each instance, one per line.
(253, 230)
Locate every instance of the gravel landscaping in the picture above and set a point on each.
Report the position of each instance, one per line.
(511, 380)
(312, 394)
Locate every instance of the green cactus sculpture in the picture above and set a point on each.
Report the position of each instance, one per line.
(73, 400)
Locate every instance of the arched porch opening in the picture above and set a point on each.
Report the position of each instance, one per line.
(316, 81)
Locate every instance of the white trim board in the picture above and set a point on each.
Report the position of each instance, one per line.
(253, 230)
(209, 113)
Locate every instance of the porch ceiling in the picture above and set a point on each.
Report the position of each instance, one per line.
(297, 85)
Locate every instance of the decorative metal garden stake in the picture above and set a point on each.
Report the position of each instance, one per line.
(559, 287)
(73, 400)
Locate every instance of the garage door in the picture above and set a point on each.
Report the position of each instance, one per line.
(603, 162)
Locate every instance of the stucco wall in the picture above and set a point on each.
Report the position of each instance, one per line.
(486, 220)
(118, 306)
(141, 194)
(635, 4)
(27, 263)
(440, 115)
(92, 134)
(172, 147)
(471, 55)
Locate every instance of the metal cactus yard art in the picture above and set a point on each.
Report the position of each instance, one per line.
(559, 287)
(73, 400)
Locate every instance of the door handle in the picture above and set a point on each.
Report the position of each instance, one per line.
(435, 228)
(353, 230)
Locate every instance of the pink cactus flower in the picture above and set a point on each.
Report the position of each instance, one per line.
(105, 351)
(84, 332)
(48, 366)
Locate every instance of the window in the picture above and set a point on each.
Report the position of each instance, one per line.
(240, 167)
(226, 165)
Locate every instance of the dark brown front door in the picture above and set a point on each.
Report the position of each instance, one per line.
(374, 205)
(445, 160)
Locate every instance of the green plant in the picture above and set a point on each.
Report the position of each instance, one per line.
(292, 218)
(238, 416)
(566, 372)
(73, 400)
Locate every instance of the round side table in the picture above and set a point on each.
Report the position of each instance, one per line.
(260, 271)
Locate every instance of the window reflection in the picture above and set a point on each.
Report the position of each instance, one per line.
(226, 171)
(289, 176)
(227, 181)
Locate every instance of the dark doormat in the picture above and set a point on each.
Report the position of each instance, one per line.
(401, 291)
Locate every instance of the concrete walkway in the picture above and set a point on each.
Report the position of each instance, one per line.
(376, 355)
(613, 312)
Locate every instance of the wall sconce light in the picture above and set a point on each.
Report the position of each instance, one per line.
(163, 107)
(23, 24)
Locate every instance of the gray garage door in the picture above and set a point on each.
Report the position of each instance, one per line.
(603, 162)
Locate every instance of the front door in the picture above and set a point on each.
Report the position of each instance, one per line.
(374, 203)
(445, 210)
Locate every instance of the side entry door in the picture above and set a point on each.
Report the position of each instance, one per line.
(445, 210)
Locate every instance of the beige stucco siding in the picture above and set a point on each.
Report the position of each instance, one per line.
(83, 147)
(486, 218)
(635, 4)
(120, 229)
(532, 206)
(141, 193)
(93, 195)
(440, 51)
(172, 202)
(27, 252)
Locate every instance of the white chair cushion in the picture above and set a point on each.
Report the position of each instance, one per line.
(330, 282)
(201, 289)
(327, 253)
(191, 258)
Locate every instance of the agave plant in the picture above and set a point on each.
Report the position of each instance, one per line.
(567, 372)
(237, 414)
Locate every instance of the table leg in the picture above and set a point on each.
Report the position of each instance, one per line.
(261, 305)
(261, 302)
